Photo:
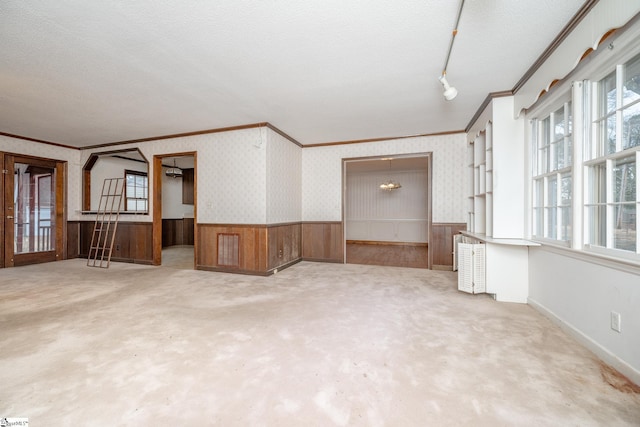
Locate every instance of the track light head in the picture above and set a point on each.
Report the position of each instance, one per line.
(450, 92)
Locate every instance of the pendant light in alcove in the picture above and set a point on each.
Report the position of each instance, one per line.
(174, 172)
(390, 184)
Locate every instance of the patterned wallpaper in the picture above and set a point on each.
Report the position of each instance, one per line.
(110, 167)
(231, 168)
(322, 174)
(284, 179)
(48, 151)
(255, 176)
(365, 200)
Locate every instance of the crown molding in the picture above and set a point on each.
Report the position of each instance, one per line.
(42, 141)
(388, 138)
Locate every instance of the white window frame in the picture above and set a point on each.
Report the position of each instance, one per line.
(545, 168)
(144, 187)
(596, 153)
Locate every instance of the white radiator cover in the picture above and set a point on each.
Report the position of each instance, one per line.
(471, 268)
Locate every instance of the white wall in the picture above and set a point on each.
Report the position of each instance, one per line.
(283, 179)
(322, 174)
(373, 214)
(107, 167)
(576, 289)
(509, 176)
(172, 206)
(580, 295)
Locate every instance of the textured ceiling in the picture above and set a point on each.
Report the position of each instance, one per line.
(91, 72)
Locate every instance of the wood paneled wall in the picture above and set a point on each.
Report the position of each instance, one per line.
(177, 232)
(441, 243)
(322, 241)
(73, 239)
(133, 241)
(285, 244)
(252, 249)
(261, 248)
(188, 177)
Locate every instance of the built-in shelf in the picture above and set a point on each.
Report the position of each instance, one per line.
(487, 239)
(495, 219)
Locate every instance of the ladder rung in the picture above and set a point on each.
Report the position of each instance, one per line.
(107, 215)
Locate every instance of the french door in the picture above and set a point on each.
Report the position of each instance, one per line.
(33, 210)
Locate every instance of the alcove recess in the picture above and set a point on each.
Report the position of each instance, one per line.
(93, 174)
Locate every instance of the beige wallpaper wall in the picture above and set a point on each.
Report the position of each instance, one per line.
(283, 180)
(322, 174)
(255, 176)
(48, 151)
(231, 168)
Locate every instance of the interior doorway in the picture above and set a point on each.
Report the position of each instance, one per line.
(174, 210)
(387, 210)
(34, 224)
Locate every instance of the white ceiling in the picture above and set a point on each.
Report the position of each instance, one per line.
(91, 72)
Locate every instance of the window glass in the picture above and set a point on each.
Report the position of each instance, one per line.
(597, 183)
(608, 94)
(559, 125)
(553, 142)
(565, 206)
(607, 219)
(625, 175)
(631, 126)
(544, 149)
(597, 209)
(551, 210)
(136, 191)
(625, 199)
(597, 220)
(631, 89)
(538, 213)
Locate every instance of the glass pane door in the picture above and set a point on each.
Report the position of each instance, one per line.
(34, 208)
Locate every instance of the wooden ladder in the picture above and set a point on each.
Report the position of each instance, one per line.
(104, 230)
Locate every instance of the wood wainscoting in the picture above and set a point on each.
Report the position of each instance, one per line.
(285, 245)
(323, 241)
(133, 241)
(177, 232)
(441, 243)
(248, 249)
(73, 239)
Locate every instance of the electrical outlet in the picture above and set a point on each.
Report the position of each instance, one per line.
(615, 321)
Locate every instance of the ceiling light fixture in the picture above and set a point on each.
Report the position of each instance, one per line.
(174, 172)
(450, 92)
(390, 184)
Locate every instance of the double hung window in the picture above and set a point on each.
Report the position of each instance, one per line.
(136, 191)
(611, 158)
(552, 180)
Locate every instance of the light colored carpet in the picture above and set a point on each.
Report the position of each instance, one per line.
(180, 257)
(315, 345)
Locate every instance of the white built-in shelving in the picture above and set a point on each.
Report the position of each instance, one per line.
(496, 207)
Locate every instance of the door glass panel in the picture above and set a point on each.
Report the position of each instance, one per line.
(34, 204)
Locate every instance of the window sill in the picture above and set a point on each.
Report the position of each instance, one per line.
(621, 264)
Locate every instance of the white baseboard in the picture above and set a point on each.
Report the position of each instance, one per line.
(605, 355)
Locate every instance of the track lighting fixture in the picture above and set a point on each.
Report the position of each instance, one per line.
(450, 92)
